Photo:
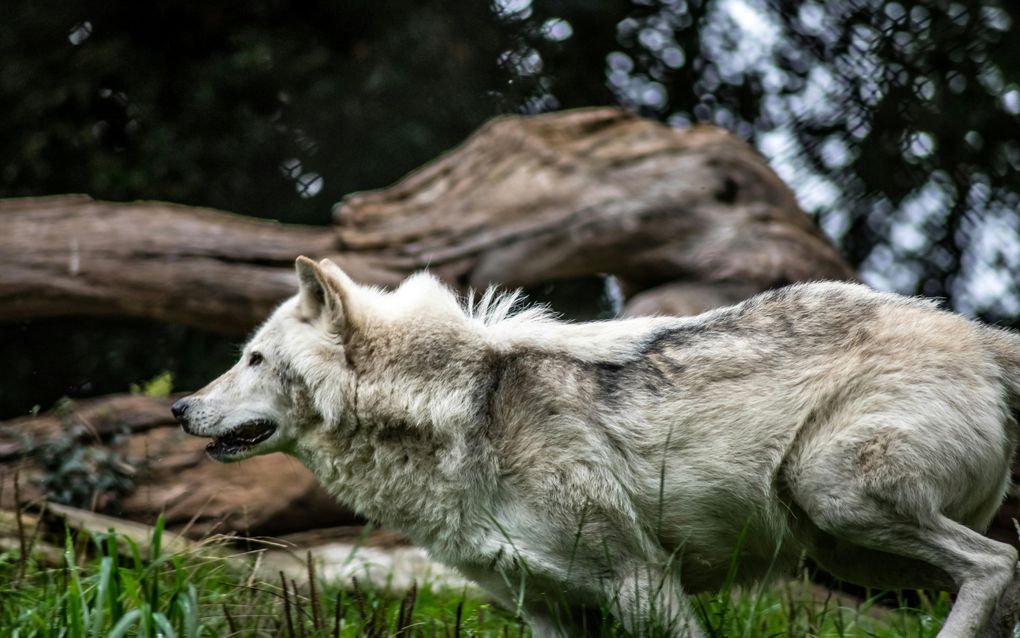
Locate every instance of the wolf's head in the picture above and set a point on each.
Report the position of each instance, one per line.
(263, 404)
(340, 363)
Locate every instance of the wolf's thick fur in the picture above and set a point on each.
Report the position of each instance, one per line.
(626, 463)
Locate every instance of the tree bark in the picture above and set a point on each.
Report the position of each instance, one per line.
(524, 201)
(75, 256)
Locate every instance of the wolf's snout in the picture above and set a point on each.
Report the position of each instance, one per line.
(180, 410)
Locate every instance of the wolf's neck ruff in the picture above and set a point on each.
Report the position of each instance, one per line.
(417, 419)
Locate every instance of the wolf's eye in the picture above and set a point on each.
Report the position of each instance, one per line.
(255, 358)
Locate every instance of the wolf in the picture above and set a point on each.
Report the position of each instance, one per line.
(627, 464)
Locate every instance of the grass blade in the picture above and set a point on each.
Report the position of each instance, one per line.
(77, 608)
(127, 621)
(161, 621)
(102, 591)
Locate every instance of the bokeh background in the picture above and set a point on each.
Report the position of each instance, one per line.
(896, 123)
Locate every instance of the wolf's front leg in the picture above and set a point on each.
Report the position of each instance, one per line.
(648, 601)
(547, 617)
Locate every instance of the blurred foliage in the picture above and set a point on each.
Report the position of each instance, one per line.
(921, 139)
(79, 474)
(897, 123)
(160, 386)
(277, 110)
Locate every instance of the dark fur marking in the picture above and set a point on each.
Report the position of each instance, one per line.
(611, 379)
(496, 558)
(488, 392)
(676, 337)
(729, 191)
(656, 381)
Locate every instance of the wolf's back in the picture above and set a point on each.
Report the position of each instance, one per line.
(1005, 347)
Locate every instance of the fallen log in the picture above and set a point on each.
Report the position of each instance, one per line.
(62, 256)
(524, 201)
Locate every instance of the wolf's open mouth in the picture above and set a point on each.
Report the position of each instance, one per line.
(241, 438)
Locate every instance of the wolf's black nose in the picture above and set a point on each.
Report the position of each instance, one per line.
(179, 407)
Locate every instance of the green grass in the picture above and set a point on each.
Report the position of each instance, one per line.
(107, 586)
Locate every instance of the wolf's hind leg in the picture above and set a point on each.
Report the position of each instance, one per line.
(1007, 611)
(650, 602)
(980, 567)
(872, 568)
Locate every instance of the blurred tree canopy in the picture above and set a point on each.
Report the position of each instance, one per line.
(276, 111)
(897, 123)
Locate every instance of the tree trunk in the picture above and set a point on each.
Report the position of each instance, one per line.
(524, 201)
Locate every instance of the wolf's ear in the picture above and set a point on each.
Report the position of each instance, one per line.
(325, 292)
